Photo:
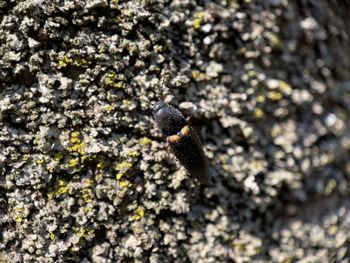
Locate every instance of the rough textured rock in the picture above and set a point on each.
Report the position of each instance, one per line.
(85, 175)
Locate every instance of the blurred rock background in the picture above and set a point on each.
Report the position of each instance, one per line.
(85, 175)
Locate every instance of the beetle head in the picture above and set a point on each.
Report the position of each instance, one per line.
(169, 120)
(160, 104)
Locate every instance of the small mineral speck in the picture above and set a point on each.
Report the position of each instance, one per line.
(309, 23)
(32, 43)
(206, 28)
(250, 184)
(14, 42)
(330, 119)
(207, 40)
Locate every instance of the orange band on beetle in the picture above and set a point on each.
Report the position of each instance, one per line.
(173, 139)
(185, 131)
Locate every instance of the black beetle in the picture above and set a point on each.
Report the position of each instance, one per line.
(182, 139)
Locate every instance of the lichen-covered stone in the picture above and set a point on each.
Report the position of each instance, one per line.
(84, 173)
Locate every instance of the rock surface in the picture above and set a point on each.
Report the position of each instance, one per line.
(85, 175)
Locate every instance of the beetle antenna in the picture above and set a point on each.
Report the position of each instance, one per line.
(163, 80)
(148, 103)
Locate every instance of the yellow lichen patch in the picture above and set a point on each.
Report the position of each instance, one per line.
(330, 187)
(198, 20)
(111, 80)
(127, 102)
(51, 196)
(80, 62)
(285, 88)
(133, 153)
(122, 169)
(195, 74)
(58, 156)
(242, 50)
(25, 157)
(99, 177)
(78, 148)
(40, 161)
(18, 214)
(88, 209)
(233, 4)
(333, 229)
(88, 182)
(118, 85)
(108, 108)
(64, 61)
(275, 40)
(75, 137)
(145, 141)
(138, 214)
(75, 134)
(258, 165)
(119, 176)
(73, 163)
(39, 186)
(73, 249)
(223, 159)
(274, 95)
(258, 113)
(52, 235)
(101, 165)
(84, 232)
(238, 246)
(87, 195)
(251, 74)
(199, 76)
(62, 188)
(125, 184)
(92, 157)
(123, 165)
(76, 143)
(260, 99)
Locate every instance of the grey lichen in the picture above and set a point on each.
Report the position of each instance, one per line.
(84, 173)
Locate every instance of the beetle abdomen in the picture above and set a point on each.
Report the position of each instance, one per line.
(188, 149)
